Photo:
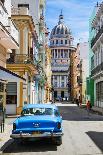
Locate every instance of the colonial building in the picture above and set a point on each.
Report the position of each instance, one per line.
(97, 58)
(48, 87)
(21, 61)
(8, 41)
(75, 76)
(61, 44)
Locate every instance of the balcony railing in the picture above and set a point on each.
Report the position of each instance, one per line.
(19, 11)
(94, 40)
(21, 59)
(97, 69)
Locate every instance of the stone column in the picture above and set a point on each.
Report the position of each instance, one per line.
(57, 53)
(54, 53)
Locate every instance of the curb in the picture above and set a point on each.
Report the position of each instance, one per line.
(12, 116)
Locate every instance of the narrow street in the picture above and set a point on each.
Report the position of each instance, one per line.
(83, 135)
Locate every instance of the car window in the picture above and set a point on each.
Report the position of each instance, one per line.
(56, 113)
(37, 111)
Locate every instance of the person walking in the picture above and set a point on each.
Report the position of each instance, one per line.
(88, 107)
(77, 102)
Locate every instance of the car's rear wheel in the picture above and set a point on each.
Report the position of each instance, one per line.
(58, 141)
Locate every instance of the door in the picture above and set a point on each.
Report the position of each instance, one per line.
(11, 98)
(55, 94)
(62, 94)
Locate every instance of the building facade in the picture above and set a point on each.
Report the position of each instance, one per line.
(97, 58)
(89, 80)
(8, 42)
(75, 79)
(61, 44)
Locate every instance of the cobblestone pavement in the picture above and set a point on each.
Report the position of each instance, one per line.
(83, 135)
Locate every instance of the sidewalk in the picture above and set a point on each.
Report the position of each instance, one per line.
(5, 139)
(94, 109)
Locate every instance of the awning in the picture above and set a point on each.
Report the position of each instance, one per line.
(6, 75)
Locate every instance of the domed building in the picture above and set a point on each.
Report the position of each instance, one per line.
(61, 44)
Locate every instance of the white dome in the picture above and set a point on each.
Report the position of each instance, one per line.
(60, 29)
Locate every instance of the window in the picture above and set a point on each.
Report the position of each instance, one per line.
(99, 93)
(1, 87)
(61, 53)
(2, 1)
(55, 77)
(65, 54)
(56, 41)
(62, 77)
(55, 84)
(61, 41)
(92, 62)
(69, 42)
(23, 5)
(62, 84)
(58, 53)
(55, 53)
(53, 42)
(56, 113)
(37, 111)
(65, 41)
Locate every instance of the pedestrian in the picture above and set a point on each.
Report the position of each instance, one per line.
(88, 107)
(77, 102)
(80, 103)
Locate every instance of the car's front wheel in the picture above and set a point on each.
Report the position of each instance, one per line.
(58, 141)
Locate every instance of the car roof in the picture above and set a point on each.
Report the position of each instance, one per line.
(40, 106)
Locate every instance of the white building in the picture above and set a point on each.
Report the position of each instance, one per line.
(61, 44)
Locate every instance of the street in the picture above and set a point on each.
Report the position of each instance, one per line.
(83, 135)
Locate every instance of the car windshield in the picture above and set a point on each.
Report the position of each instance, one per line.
(37, 111)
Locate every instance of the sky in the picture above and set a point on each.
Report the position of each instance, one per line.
(76, 16)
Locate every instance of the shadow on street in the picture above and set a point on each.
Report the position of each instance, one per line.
(28, 146)
(97, 138)
(74, 113)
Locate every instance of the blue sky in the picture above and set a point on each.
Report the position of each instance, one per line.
(76, 16)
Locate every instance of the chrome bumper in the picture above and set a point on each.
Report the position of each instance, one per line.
(27, 135)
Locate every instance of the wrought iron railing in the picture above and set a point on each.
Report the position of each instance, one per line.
(94, 40)
(21, 59)
(97, 69)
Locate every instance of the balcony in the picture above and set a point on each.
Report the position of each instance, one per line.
(94, 40)
(21, 10)
(20, 59)
(97, 69)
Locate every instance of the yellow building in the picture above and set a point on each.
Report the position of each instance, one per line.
(75, 78)
(48, 95)
(22, 60)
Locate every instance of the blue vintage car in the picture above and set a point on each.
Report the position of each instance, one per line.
(38, 121)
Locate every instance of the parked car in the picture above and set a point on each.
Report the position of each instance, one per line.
(38, 121)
